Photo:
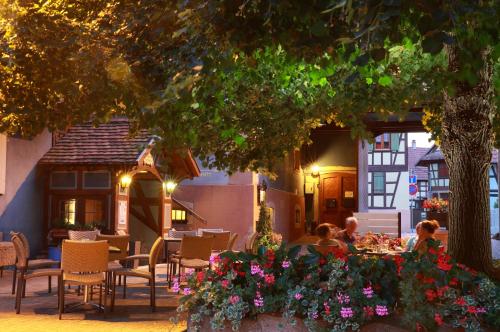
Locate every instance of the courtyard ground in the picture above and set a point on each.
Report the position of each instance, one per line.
(39, 309)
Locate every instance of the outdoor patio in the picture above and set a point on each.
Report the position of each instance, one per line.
(39, 309)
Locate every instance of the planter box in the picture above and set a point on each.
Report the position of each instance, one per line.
(440, 217)
(264, 323)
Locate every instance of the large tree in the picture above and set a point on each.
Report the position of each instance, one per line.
(245, 81)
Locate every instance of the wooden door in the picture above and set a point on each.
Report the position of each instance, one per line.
(338, 197)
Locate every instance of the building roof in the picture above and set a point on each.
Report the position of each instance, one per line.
(434, 155)
(107, 144)
(414, 155)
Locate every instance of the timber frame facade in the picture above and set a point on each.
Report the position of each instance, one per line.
(387, 170)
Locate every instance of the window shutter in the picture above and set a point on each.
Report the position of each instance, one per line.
(395, 142)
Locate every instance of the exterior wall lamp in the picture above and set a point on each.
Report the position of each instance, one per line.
(125, 181)
(315, 169)
(169, 187)
(261, 192)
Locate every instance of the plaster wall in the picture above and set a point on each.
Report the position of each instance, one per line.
(21, 206)
(231, 207)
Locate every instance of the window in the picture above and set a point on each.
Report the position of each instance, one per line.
(395, 142)
(96, 180)
(378, 183)
(443, 170)
(93, 209)
(63, 180)
(179, 216)
(383, 142)
(68, 210)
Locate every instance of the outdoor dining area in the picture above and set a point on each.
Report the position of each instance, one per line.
(96, 268)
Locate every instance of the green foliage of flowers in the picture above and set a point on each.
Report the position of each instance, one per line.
(341, 292)
(435, 290)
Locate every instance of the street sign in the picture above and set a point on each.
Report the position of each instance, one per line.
(413, 189)
(413, 179)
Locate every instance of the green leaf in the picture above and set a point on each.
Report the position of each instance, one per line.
(385, 80)
(239, 140)
(369, 80)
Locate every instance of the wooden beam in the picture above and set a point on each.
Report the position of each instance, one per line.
(145, 206)
(143, 219)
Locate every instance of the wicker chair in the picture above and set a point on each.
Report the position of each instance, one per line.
(150, 274)
(194, 254)
(221, 240)
(24, 274)
(120, 242)
(232, 241)
(250, 243)
(84, 263)
(32, 264)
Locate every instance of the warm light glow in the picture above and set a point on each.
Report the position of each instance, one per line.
(125, 181)
(169, 186)
(315, 169)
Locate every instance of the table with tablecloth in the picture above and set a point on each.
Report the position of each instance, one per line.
(7, 255)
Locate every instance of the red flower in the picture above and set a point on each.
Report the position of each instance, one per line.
(269, 279)
(432, 251)
(322, 261)
(460, 301)
(431, 295)
(368, 311)
(441, 290)
(241, 273)
(443, 264)
(438, 319)
(429, 280)
(200, 276)
(453, 281)
(471, 309)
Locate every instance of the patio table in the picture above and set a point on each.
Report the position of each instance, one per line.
(7, 255)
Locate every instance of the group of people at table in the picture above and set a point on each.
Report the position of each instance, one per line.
(330, 235)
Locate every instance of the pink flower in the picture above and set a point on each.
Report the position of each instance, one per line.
(224, 283)
(314, 315)
(186, 291)
(175, 286)
(343, 298)
(298, 296)
(256, 269)
(233, 299)
(481, 310)
(381, 310)
(368, 291)
(346, 312)
(258, 301)
(285, 264)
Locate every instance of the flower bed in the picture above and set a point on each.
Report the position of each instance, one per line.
(341, 293)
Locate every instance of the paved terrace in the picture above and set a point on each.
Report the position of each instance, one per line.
(39, 309)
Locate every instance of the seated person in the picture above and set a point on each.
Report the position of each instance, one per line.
(326, 233)
(347, 235)
(413, 240)
(428, 227)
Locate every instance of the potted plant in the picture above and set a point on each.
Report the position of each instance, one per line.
(437, 209)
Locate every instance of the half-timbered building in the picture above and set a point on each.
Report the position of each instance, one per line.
(103, 176)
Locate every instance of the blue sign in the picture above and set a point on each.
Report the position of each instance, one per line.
(413, 179)
(413, 189)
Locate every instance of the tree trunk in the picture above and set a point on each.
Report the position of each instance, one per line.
(466, 143)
